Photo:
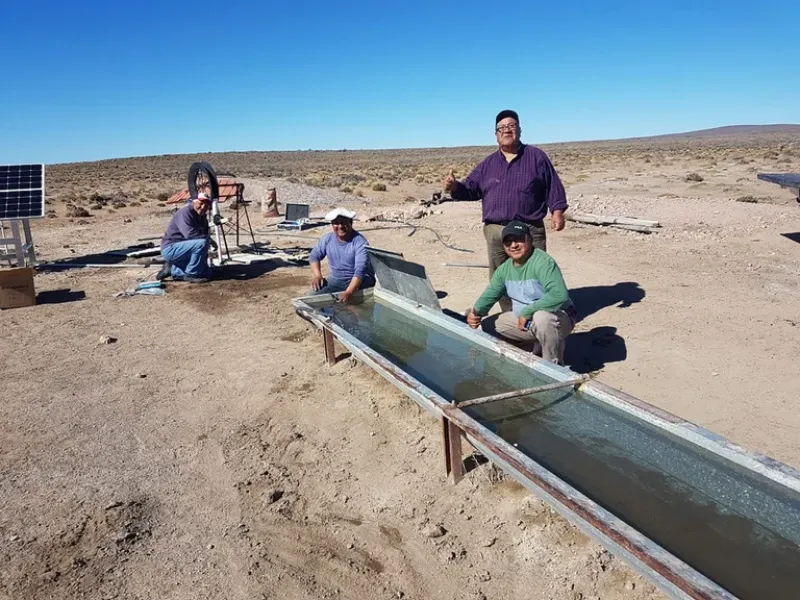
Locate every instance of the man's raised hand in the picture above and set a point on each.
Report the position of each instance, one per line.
(449, 182)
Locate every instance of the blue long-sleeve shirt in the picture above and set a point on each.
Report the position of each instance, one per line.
(345, 259)
(185, 224)
(521, 189)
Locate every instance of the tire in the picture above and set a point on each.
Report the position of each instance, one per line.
(198, 172)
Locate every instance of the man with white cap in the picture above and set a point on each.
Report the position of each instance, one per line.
(348, 262)
(185, 243)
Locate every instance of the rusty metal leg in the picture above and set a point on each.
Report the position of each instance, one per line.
(452, 450)
(330, 351)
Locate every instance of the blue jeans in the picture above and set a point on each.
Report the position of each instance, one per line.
(334, 286)
(188, 258)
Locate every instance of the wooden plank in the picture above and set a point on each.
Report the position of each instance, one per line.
(604, 220)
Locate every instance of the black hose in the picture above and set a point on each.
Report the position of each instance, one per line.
(401, 225)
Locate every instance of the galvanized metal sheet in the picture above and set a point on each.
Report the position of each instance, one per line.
(788, 180)
(403, 277)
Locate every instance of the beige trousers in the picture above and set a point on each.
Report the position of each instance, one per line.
(497, 254)
(547, 330)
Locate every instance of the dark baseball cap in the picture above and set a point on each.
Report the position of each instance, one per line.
(515, 228)
(504, 114)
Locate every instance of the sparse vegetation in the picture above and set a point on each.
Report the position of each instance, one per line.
(118, 182)
(77, 211)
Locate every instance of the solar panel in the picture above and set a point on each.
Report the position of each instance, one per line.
(21, 192)
(790, 180)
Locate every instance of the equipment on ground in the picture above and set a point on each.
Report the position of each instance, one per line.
(22, 198)
(297, 217)
(203, 179)
(789, 181)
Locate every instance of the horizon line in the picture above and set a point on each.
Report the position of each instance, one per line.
(368, 149)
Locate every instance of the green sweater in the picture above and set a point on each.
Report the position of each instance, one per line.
(535, 285)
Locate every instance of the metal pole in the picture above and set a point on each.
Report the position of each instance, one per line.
(214, 215)
(525, 392)
(330, 350)
(451, 435)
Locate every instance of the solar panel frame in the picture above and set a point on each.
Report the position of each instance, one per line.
(22, 192)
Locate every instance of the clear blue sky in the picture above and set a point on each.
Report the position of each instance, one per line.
(89, 80)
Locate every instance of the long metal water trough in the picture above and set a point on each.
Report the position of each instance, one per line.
(694, 513)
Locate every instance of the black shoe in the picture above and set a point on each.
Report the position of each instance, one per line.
(191, 279)
(165, 271)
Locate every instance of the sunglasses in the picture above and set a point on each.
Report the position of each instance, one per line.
(510, 239)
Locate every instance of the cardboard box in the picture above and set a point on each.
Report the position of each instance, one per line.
(16, 288)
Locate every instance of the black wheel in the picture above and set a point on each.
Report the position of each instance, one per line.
(202, 178)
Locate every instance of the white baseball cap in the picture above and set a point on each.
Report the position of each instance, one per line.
(203, 196)
(340, 212)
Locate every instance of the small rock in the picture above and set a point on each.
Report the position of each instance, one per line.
(485, 576)
(13, 538)
(107, 339)
(433, 531)
(142, 375)
(714, 374)
(489, 543)
(630, 586)
(350, 546)
(114, 505)
(210, 546)
(273, 496)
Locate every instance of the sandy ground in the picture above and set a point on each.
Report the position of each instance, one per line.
(209, 452)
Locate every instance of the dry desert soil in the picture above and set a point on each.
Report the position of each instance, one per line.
(208, 452)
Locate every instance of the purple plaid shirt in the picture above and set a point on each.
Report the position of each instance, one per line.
(522, 189)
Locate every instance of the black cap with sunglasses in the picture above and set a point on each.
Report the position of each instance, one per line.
(504, 114)
(515, 228)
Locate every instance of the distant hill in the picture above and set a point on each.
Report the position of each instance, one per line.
(286, 163)
(728, 131)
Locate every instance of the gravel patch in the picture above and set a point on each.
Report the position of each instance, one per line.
(320, 199)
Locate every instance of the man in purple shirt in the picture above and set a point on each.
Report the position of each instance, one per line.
(185, 243)
(516, 183)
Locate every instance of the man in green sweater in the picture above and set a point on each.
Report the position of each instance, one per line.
(542, 314)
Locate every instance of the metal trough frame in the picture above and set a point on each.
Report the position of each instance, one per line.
(672, 575)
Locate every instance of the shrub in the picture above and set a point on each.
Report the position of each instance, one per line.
(694, 177)
(77, 211)
(379, 187)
